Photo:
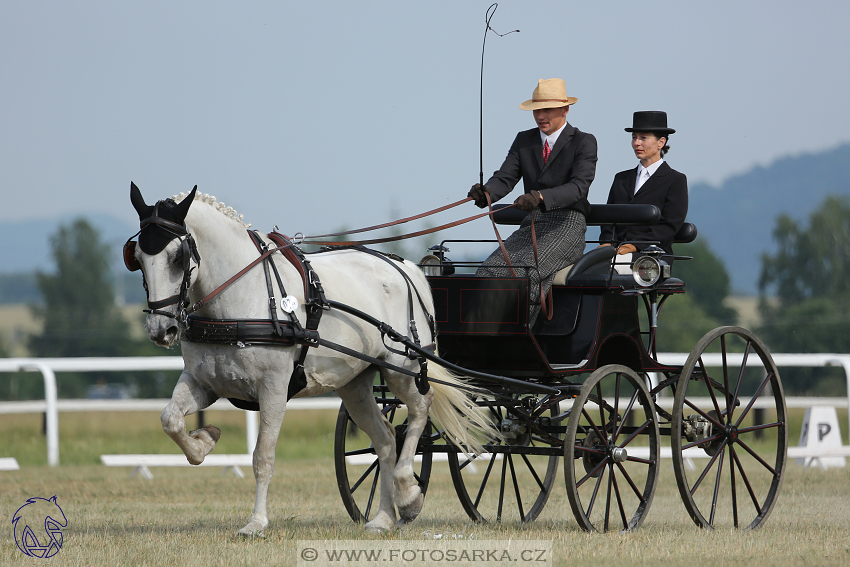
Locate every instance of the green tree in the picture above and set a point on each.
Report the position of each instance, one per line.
(805, 292)
(707, 280)
(78, 311)
(80, 317)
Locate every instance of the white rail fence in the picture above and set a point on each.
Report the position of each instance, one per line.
(51, 406)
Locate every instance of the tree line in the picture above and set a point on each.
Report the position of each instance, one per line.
(804, 305)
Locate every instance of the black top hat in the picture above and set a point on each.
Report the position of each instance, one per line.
(650, 121)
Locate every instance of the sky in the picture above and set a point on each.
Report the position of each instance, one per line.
(314, 116)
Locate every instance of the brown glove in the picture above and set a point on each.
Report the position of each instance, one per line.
(479, 194)
(527, 202)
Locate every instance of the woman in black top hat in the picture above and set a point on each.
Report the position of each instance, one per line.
(651, 182)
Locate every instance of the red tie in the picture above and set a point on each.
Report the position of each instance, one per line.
(546, 152)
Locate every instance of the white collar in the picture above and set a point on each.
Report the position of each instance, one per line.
(553, 137)
(651, 169)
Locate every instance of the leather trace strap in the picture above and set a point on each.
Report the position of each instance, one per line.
(393, 223)
(404, 236)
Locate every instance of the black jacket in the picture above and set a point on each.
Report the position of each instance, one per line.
(667, 189)
(564, 181)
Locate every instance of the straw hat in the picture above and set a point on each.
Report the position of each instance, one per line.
(550, 93)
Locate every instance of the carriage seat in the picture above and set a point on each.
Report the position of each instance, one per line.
(632, 215)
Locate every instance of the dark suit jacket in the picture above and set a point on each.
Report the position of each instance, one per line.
(667, 189)
(563, 182)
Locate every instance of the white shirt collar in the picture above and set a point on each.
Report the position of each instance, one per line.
(553, 137)
(651, 169)
(639, 180)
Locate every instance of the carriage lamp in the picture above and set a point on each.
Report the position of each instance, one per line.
(647, 270)
(430, 264)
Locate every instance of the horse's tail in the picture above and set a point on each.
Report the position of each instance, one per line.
(466, 424)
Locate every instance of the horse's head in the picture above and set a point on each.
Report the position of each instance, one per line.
(165, 253)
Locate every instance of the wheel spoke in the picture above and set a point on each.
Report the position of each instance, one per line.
(484, 481)
(592, 424)
(591, 473)
(716, 487)
(616, 413)
(702, 441)
(756, 457)
(365, 474)
(734, 488)
(703, 414)
(740, 379)
(725, 372)
(625, 415)
(516, 487)
(746, 482)
(608, 498)
(628, 478)
(372, 494)
(595, 490)
(764, 383)
(601, 403)
(637, 432)
(760, 427)
(502, 487)
(708, 468)
(533, 472)
(707, 381)
(620, 501)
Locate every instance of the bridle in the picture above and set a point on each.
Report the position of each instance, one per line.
(188, 252)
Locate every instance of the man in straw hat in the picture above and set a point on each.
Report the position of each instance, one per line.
(557, 163)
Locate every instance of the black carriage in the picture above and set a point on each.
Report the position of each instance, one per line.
(593, 391)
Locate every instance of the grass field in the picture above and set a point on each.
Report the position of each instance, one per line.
(189, 516)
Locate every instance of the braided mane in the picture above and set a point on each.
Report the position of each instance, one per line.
(219, 206)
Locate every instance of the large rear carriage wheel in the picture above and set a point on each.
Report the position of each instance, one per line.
(611, 452)
(356, 464)
(511, 481)
(730, 434)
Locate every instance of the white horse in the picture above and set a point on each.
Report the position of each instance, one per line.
(261, 374)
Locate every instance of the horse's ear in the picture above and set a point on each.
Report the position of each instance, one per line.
(183, 206)
(138, 201)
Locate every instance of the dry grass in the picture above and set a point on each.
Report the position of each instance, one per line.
(189, 516)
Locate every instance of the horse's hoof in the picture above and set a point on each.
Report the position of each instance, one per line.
(409, 512)
(253, 529)
(211, 430)
(381, 524)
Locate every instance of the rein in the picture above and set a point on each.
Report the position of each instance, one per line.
(403, 236)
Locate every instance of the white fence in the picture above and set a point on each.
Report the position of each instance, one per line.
(51, 406)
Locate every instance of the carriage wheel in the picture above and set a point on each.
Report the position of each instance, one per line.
(611, 453)
(735, 417)
(356, 464)
(511, 482)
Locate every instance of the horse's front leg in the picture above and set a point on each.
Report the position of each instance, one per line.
(272, 408)
(189, 397)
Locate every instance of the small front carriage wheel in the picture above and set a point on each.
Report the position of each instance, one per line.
(511, 480)
(611, 451)
(729, 432)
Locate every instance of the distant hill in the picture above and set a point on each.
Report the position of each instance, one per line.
(738, 217)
